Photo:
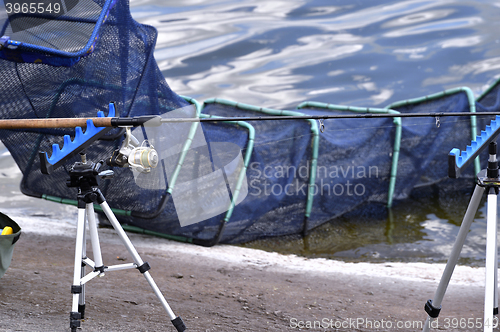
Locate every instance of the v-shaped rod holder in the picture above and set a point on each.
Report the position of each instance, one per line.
(71, 147)
(459, 160)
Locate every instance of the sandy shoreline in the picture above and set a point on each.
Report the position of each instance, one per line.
(253, 258)
(223, 288)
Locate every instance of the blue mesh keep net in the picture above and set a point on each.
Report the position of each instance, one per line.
(298, 177)
(121, 69)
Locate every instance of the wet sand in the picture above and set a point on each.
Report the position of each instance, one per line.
(224, 288)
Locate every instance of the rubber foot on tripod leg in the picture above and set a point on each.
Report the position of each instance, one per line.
(179, 324)
(74, 320)
(81, 310)
(431, 310)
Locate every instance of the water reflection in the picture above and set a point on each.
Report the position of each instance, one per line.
(279, 53)
(435, 26)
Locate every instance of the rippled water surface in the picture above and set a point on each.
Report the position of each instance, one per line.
(363, 53)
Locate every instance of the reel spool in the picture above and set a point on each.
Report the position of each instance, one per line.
(141, 157)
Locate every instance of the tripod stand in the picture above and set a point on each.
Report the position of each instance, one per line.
(85, 176)
(488, 180)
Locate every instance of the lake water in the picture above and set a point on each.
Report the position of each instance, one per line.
(363, 53)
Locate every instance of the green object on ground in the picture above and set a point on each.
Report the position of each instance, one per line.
(7, 242)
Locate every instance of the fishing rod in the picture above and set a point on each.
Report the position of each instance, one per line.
(96, 127)
(156, 120)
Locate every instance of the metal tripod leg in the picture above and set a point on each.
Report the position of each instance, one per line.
(491, 248)
(434, 306)
(495, 308)
(94, 237)
(81, 300)
(143, 267)
(76, 288)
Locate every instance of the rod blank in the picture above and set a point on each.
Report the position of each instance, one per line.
(156, 120)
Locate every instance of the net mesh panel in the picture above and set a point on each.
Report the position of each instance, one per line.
(354, 165)
(121, 69)
(423, 158)
(277, 178)
(354, 159)
(490, 102)
(64, 25)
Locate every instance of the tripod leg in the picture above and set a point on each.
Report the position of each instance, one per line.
(81, 300)
(433, 307)
(491, 248)
(94, 237)
(76, 288)
(495, 307)
(141, 266)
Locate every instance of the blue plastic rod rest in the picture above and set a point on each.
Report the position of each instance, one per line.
(459, 160)
(71, 147)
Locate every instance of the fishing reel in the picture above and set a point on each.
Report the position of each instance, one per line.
(141, 157)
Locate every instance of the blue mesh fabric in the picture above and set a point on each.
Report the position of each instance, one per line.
(354, 161)
(267, 210)
(354, 165)
(122, 69)
(424, 151)
(277, 178)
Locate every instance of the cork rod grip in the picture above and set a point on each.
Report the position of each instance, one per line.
(53, 123)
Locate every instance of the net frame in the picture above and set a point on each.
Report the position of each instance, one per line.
(28, 52)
